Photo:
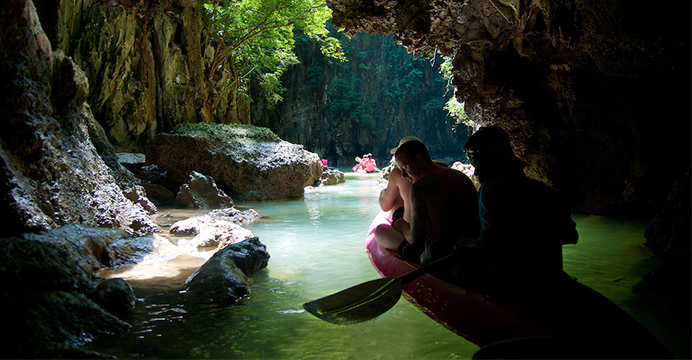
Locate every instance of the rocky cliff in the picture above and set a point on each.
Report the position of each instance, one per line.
(147, 66)
(51, 172)
(595, 94)
(145, 62)
(365, 105)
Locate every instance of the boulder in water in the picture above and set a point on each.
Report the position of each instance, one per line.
(248, 163)
(223, 279)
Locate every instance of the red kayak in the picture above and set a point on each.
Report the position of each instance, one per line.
(578, 312)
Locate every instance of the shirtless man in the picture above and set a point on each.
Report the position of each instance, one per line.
(396, 197)
(444, 202)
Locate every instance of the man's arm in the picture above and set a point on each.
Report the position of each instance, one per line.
(390, 195)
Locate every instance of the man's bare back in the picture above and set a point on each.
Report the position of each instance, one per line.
(445, 205)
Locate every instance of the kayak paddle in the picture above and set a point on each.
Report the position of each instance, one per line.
(365, 301)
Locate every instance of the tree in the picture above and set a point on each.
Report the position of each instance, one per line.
(256, 37)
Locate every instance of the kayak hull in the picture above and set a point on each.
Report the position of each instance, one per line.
(578, 312)
(476, 317)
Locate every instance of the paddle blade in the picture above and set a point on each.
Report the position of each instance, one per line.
(358, 303)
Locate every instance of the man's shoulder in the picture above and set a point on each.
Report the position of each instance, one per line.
(457, 176)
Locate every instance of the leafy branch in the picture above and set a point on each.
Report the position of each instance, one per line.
(258, 35)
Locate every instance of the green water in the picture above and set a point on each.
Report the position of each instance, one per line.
(317, 247)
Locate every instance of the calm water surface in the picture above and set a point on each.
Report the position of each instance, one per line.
(317, 247)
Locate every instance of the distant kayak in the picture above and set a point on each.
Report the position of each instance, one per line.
(574, 321)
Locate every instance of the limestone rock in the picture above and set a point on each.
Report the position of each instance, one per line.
(95, 248)
(138, 195)
(201, 192)
(221, 279)
(155, 181)
(316, 167)
(331, 177)
(56, 320)
(45, 294)
(37, 266)
(50, 171)
(250, 255)
(469, 171)
(248, 163)
(668, 236)
(218, 228)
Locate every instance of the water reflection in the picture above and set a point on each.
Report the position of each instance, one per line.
(317, 247)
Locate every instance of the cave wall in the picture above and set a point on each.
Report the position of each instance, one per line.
(51, 171)
(595, 95)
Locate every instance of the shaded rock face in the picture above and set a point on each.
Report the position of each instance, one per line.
(116, 296)
(48, 298)
(223, 279)
(248, 163)
(668, 236)
(201, 193)
(94, 249)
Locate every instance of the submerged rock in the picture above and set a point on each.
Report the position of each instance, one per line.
(247, 162)
(223, 279)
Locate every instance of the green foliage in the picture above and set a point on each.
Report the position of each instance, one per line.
(454, 108)
(258, 37)
(345, 99)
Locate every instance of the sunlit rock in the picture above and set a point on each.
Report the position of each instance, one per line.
(138, 195)
(201, 192)
(248, 163)
(331, 177)
(223, 278)
(218, 228)
(469, 171)
(316, 167)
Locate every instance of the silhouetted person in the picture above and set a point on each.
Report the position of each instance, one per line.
(524, 223)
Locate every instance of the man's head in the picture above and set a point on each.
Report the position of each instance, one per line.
(489, 149)
(403, 141)
(413, 158)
